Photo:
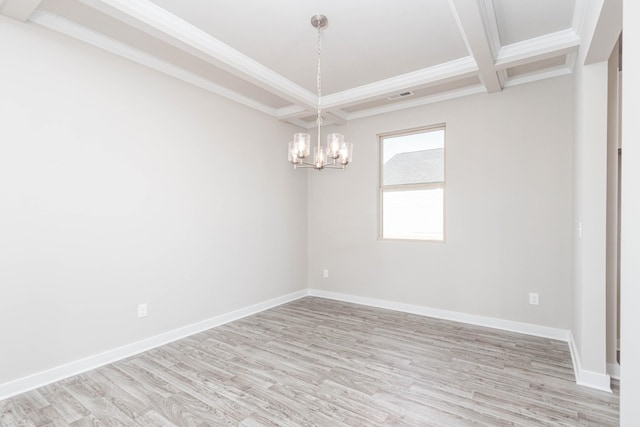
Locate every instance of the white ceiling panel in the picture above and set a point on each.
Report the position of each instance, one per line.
(366, 41)
(520, 20)
(263, 54)
(139, 40)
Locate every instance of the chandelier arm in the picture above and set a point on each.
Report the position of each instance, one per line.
(299, 148)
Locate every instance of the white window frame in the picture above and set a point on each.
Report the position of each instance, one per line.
(405, 187)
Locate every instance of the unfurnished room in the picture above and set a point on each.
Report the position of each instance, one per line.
(319, 213)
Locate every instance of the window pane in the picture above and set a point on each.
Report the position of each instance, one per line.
(413, 159)
(414, 214)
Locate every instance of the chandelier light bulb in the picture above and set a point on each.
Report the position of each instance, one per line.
(345, 153)
(302, 144)
(334, 142)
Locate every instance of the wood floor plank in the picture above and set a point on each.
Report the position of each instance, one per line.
(101, 408)
(321, 362)
(68, 407)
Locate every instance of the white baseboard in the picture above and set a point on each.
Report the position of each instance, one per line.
(583, 377)
(58, 373)
(613, 369)
(472, 319)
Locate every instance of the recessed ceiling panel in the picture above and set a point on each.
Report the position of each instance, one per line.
(432, 90)
(366, 41)
(520, 20)
(537, 66)
(119, 31)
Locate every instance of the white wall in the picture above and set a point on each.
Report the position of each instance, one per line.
(508, 210)
(119, 185)
(600, 32)
(612, 207)
(590, 210)
(630, 268)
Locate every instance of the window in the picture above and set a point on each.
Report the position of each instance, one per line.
(412, 184)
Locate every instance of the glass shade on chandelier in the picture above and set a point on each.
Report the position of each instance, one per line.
(336, 154)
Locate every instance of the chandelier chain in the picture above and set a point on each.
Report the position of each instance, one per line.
(319, 78)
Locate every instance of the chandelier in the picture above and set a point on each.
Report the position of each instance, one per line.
(337, 153)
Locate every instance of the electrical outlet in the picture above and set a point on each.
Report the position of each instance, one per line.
(534, 299)
(325, 273)
(142, 310)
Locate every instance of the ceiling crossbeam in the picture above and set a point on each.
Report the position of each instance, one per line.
(64, 26)
(158, 22)
(474, 24)
(427, 77)
(539, 48)
(487, 59)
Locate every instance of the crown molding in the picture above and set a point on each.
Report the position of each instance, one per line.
(478, 21)
(302, 124)
(491, 26)
(339, 113)
(538, 48)
(579, 13)
(71, 29)
(442, 73)
(154, 20)
(561, 70)
(571, 60)
(502, 75)
(291, 112)
(472, 21)
(337, 117)
(417, 102)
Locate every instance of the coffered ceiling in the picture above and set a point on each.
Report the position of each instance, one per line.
(263, 54)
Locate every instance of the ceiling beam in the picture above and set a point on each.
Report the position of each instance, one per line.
(475, 21)
(560, 70)
(158, 22)
(64, 26)
(417, 102)
(427, 77)
(291, 112)
(18, 9)
(302, 123)
(606, 32)
(337, 116)
(532, 50)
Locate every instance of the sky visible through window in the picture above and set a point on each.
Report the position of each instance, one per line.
(410, 143)
(413, 169)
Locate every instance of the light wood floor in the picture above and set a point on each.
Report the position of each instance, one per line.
(327, 363)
